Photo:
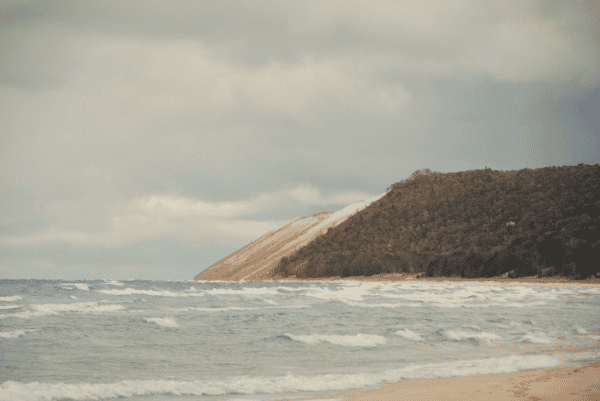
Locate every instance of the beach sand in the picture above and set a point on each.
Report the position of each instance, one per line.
(581, 383)
(560, 384)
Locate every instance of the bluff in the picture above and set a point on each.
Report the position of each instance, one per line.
(258, 260)
(480, 223)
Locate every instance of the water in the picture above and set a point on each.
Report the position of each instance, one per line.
(186, 340)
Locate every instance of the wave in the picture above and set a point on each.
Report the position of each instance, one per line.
(409, 335)
(166, 321)
(79, 286)
(359, 340)
(466, 335)
(36, 391)
(579, 330)
(131, 291)
(536, 338)
(10, 299)
(5, 307)
(13, 334)
(56, 309)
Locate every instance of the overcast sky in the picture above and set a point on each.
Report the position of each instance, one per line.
(150, 139)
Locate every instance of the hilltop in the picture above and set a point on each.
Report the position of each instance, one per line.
(480, 223)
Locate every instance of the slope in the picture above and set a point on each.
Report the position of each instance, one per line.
(480, 223)
(258, 259)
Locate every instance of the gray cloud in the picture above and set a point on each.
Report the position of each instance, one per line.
(107, 105)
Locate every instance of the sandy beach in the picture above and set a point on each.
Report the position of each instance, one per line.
(560, 384)
(581, 383)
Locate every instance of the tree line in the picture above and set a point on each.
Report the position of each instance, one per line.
(480, 223)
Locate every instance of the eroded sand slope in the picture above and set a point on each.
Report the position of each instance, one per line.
(256, 261)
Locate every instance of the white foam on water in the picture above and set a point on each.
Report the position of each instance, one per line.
(467, 335)
(235, 308)
(10, 299)
(131, 291)
(475, 295)
(56, 309)
(73, 297)
(409, 335)
(359, 340)
(595, 337)
(579, 330)
(380, 305)
(10, 306)
(165, 321)
(247, 291)
(536, 338)
(114, 282)
(35, 391)
(79, 286)
(12, 334)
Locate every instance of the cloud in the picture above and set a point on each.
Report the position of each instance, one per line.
(165, 216)
(129, 126)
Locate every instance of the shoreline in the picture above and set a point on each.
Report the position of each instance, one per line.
(580, 382)
(412, 277)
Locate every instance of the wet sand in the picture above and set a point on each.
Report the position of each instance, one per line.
(560, 384)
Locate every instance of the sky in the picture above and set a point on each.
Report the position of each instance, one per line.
(150, 139)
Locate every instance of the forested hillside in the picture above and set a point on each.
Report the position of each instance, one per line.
(479, 223)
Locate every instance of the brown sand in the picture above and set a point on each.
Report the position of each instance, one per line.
(561, 384)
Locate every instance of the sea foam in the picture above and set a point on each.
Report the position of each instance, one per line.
(409, 335)
(131, 291)
(166, 321)
(359, 340)
(56, 309)
(10, 299)
(10, 390)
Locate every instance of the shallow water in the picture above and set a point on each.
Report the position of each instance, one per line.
(189, 340)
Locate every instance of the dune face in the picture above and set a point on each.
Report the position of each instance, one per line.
(259, 259)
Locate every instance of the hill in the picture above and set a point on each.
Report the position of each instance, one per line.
(480, 223)
(258, 259)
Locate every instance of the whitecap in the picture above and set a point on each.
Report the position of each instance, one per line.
(359, 340)
(36, 391)
(12, 334)
(10, 306)
(79, 286)
(56, 309)
(579, 330)
(10, 299)
(131, 291)
(165, 321)
(409, 335)
(465, 335)
(536, 338)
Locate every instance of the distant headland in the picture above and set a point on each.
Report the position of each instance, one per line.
(471, 224)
